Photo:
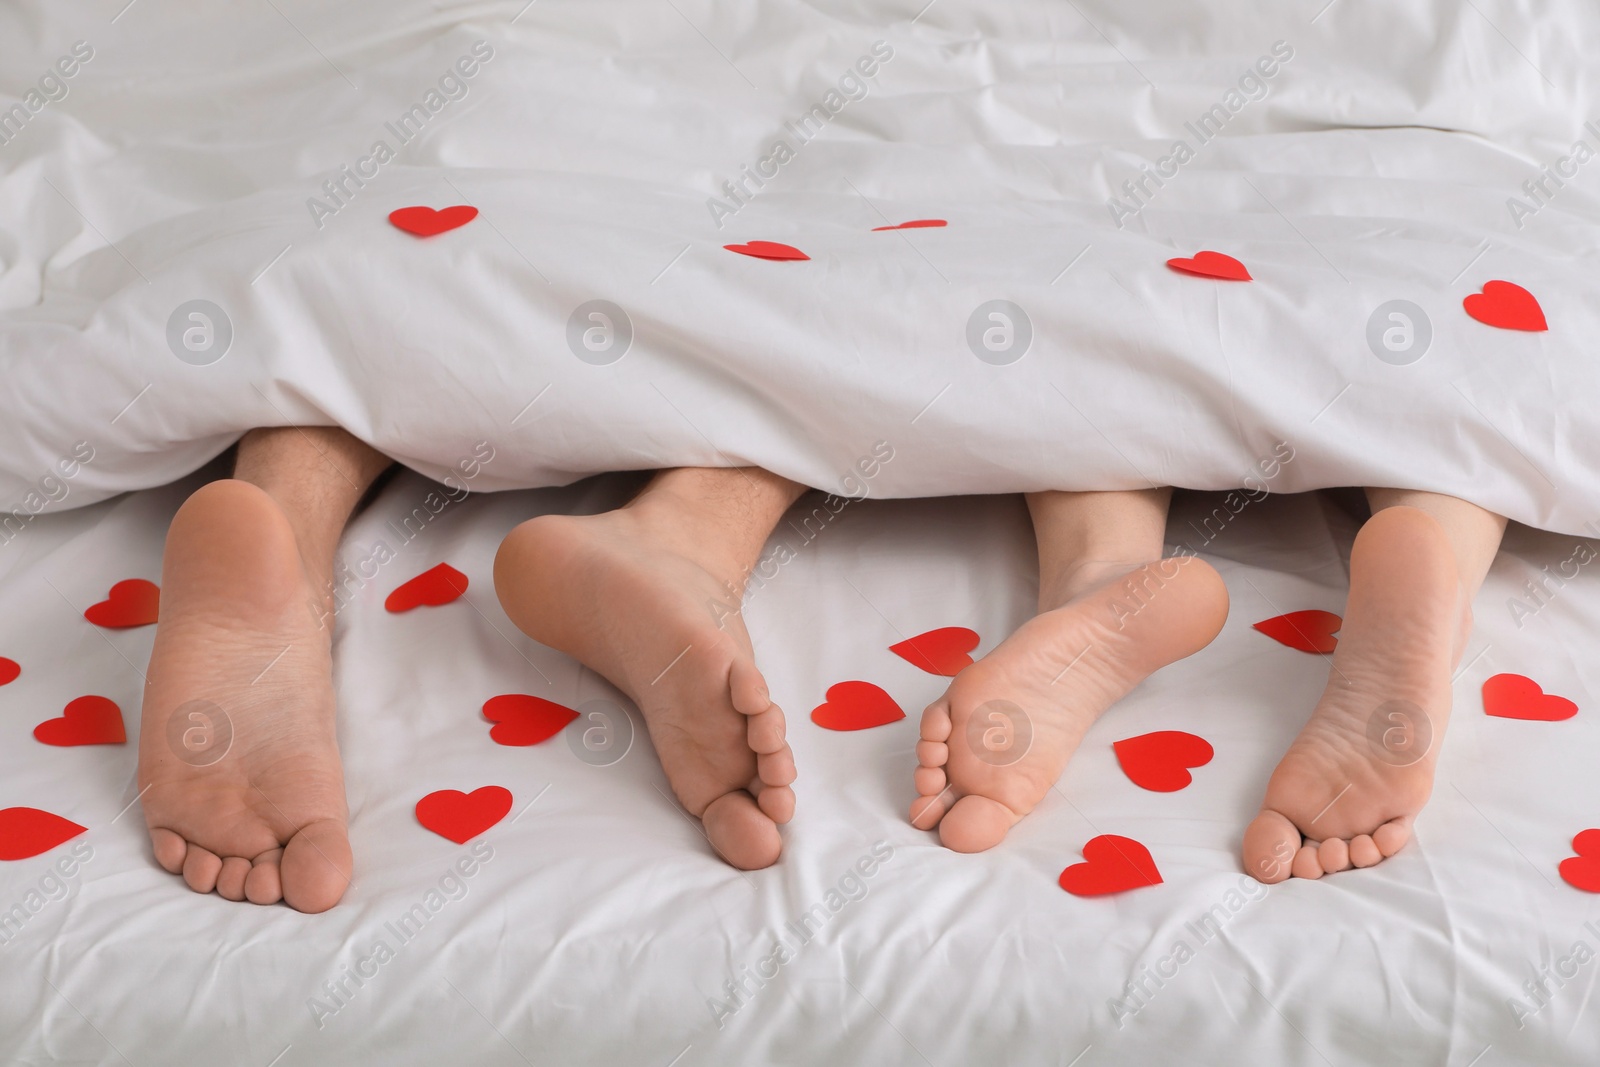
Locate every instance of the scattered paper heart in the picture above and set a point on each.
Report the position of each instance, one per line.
(1311, 630)
(525, 720)
(1582, 871)
(1212, 265)
(1160, 761)
(914, 224)
(9, 670)
(1506, 306)
(942, 651)
(131, 602)
(856, 706)
(1111, 864)
(460, 816)
(767, 250)
(433, 587)
(27, 832)
(1513, 696)
(426, 222)
(88, 720)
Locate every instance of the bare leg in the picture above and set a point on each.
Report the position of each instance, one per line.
(1350, 786)
(649, 596)
(245, 630)
(1111, 612)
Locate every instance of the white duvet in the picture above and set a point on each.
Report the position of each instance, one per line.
(194, 240)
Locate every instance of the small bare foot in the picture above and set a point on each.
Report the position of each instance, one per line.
(1349, 787)
(637, 595)
(1001, 735)
(238, 632)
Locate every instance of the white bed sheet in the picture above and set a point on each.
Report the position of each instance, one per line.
(603, 924)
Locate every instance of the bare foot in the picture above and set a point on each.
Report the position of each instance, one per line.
(1347, 791)
(637, 595)
(238, 631)
(1054, 676)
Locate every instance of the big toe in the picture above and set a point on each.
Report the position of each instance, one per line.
(741, 832)
(975, 823)
(1270, 844)
(315, 867)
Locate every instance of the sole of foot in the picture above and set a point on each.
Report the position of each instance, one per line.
(1001, 735)
(241, 660)
(638, 598)
(1346, 793)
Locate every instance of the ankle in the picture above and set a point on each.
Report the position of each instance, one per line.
(1068, 585)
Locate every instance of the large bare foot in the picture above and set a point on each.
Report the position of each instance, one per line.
(239, 632)
(637, 595)
(1349, 787)
(979, 772)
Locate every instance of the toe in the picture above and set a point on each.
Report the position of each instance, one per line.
(315, 867)
(776, 768)
(777, 802)
(936, 723)
(926, 811)
(1392, 836)
(264, 884)
(766, 731)
(1364, 851)
(1334, 855)
(230, 880)
(975, 823)
(932, 753)
(929, 780)
(169, 849)
(741, 832)
(1306, 864)
(200, 869)
(1270, 843)
(748, 688)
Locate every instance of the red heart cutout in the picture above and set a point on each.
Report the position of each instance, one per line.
(767, 250)
(1309, 631)
(914, 224)
(1506, 306)
(134, 602)
(86, 721)
(433, 587)
(524, 719)
(1212, 265)
(856, 706)
(26, 832)
(942, 651)
(1110, 864)
(1512, 696)
(1583, 870)
(426, 222)
(1160, 761)
(9, 669)
(460, 816)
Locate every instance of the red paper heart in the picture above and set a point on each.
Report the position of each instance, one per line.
(524, 719)
(9, 669)
(1583, 870)
(88, 720)
(1506, 306)
(26, 832)
(426, 222)
(435, 586)
(856, 706)
(1110, 864)
(914, 224)
(460, 816)
(942, 651)
(1212, 265)
(1160, 761)
(1513, 696)
(767, 250)
(134, 602)
(1309, 631)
